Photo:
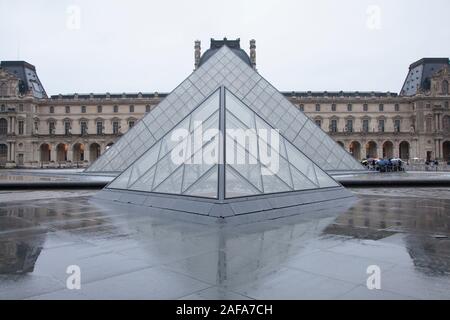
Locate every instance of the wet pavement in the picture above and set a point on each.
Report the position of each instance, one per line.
(128, 254)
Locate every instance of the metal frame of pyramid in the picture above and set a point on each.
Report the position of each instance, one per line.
(225, 68)
(153, 181)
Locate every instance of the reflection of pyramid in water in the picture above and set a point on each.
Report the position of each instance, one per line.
(225, 68)
(155, 170)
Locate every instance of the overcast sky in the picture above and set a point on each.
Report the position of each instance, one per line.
(131, 46)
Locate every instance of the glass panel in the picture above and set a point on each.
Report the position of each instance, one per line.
(164, 168)
(121, 181)
(300, 181)
(145, 162)
(324, 179)
(206, 186)
(303, 164)
(274, 184)
(192, 170)
(244, 163)
(145, 182)
(172, 184)
(206, 109)
(236, 185)
(239, 110)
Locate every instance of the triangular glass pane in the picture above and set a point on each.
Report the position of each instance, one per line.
(302, 163)
(240, 111)
(212, 123)
(236, 185)
(300, 181)
(172, 184)
(205, 110)
(206, 186)
(121, 182)
(145, 182)
(147, 161)
(193, 170)
(164, 168)
(273, 184)
(244, 163)
(324, 179)
(276, 164)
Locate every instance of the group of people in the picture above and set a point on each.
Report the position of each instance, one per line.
(383, 165)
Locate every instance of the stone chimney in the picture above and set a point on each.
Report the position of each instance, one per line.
(253, 53)
(197, 54)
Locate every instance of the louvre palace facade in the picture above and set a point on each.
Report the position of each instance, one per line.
(73, 130)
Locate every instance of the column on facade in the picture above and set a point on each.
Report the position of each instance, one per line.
(86, 151)
(441, 149)
(379, 149)
(69, 152)
(13, 151)
(53, 152)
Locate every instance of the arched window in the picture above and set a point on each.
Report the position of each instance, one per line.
(99, 109)
(116, 108)
(445, 87)
(132, 108)
(52, 109)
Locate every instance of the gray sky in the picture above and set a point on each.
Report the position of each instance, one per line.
(147, 46)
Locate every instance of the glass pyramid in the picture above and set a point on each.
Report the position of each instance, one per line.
(222, 150)
(225, 68)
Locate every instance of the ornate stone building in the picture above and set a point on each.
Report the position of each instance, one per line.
(70, 130)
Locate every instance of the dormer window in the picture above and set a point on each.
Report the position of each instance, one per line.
(445, 87)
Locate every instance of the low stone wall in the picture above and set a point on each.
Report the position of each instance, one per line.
(424, 167)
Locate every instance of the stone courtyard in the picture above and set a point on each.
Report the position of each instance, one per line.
(125, 254)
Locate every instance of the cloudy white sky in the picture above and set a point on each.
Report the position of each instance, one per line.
(147, 46)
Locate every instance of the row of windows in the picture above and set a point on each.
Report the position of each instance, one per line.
(19, 108)
(349, 127)
(350, 107)
(100, 128)
(100, 109)
(4, 127)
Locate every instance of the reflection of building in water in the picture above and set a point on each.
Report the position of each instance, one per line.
(429, 254)
(391, 215)
(19, 254)
(21, 246)
(421, 219)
